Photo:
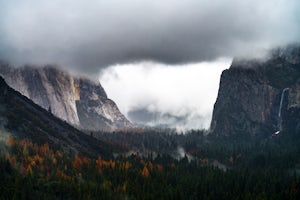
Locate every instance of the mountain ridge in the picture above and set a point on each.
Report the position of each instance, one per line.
(22, 118)
(77, 100)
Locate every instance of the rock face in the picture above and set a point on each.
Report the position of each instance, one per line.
(95, 110)
(260, 97)
(78, 101)
(22, 118)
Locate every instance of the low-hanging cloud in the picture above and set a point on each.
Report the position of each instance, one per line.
(88, 35)
(158, 94)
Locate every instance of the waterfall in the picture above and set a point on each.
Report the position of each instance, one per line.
(280, 109)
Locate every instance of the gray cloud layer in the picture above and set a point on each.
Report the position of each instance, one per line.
(89, 35)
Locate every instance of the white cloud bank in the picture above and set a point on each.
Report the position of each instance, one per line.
(186, 91)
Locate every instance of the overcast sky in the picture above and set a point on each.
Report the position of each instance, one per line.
(90, 34)
(100, 35)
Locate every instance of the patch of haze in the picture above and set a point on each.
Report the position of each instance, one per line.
(4, 135)
(181, 92)
(180, 153)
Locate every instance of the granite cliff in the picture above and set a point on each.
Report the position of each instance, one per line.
(260, 97)
(79, 101)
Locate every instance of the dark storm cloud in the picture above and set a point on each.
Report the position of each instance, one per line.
(88, 35)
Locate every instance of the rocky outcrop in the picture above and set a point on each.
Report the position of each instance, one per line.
(251, 95)
(95, 110)
(79, 101)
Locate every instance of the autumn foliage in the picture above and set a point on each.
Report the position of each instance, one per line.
(40, 160)
(43, 172)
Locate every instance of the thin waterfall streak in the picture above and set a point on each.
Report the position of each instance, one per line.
(280, 109)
